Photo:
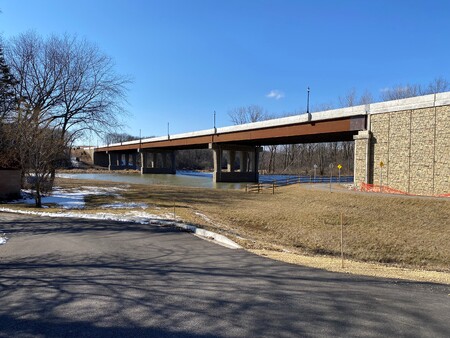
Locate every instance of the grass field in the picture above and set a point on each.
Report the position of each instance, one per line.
(395, 230)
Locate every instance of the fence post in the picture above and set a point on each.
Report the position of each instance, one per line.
(342, 242)
(246, 188)
(273, 188)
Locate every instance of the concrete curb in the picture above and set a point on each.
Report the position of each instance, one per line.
(220, 239)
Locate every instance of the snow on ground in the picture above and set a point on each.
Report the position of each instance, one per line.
(130, 216)
(127, 205)
(72, 198)
(206, 218)
(3, 239)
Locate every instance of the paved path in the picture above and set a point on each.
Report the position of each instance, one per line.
(79, 278)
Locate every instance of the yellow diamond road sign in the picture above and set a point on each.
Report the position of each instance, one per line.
(339, 166)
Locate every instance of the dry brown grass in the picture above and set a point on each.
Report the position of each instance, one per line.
(396, 230)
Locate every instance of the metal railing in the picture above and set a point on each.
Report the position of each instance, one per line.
(290, 180)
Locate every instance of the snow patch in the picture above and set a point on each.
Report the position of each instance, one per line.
(70, 198)
(3, 239)
(126, 205)
(206, 218)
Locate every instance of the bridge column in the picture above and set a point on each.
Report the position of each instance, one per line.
(363, 164)
(165, 166)
(134, 160)
(231, 159)
(113, 159)
(243, 161)
(247, 173)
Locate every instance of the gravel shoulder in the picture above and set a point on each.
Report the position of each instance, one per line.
(357, 268)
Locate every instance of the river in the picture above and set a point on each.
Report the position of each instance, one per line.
(189, 179)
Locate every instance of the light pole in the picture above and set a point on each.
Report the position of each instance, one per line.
(307, 102)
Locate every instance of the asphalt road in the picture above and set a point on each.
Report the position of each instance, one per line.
(79, 278)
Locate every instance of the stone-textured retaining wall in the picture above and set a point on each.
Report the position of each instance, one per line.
(9, 184)
(413, 144)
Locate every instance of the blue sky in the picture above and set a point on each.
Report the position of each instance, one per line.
(188, 58)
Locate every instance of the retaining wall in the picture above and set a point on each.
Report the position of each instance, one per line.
(413, 145)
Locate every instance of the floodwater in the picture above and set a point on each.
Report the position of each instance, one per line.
(190, 179)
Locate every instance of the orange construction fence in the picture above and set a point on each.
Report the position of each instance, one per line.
(388, 190)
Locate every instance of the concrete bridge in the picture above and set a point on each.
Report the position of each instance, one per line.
(390, 132)
(242, 142)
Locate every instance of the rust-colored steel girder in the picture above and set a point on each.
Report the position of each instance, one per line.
(316, 131)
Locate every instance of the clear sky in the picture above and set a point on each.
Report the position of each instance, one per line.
(190, 57)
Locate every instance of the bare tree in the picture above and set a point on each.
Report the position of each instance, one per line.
(35, 149)
(438, 85)
(351, 98)
(66, 87)
(248, 114)
(401, 92)
(111, 138)
(92, 93)
(69, 82)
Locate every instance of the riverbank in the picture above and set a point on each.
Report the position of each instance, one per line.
(382, 231)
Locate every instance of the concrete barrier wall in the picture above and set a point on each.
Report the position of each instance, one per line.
(414, 146)
(9, 184)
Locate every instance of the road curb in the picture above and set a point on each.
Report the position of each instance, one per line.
(220, 239)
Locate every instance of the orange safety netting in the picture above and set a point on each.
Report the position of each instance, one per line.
(388, 190)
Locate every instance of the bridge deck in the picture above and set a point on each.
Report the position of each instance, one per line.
(330, 126)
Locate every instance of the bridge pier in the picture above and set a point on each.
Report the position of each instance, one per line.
(158, 162)
(248, 163)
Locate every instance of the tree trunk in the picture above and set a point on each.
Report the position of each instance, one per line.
(38, 196)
